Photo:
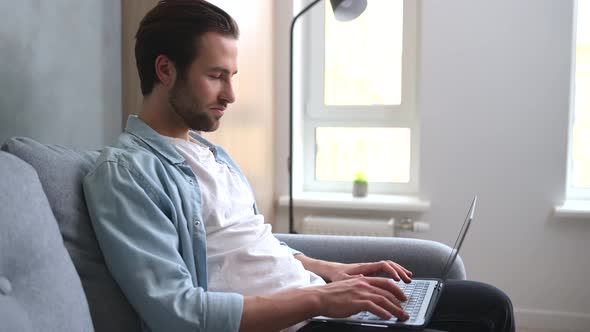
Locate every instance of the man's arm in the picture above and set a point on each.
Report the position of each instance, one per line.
(338, 299)
(333, 271)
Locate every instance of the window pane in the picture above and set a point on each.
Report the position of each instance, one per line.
(363, 58)
(381, 154)
(581, 132)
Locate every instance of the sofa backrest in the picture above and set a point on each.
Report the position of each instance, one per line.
(61, 171)
(39, 287)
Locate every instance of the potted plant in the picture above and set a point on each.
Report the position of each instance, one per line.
(360, 185)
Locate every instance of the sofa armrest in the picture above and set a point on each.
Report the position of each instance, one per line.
(426, 259)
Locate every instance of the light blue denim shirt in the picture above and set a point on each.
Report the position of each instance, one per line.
(145, 205)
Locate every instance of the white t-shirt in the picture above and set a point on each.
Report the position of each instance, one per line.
(242, 254)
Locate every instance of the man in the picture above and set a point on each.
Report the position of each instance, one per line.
(177, 221)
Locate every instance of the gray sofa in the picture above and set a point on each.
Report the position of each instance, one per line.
(52, 272)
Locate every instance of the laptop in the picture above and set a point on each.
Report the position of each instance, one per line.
(422, 294)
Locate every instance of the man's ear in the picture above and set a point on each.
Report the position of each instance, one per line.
(165, 70)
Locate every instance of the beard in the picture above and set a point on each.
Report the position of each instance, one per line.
(190, 109)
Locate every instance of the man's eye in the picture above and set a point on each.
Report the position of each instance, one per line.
(215, 77)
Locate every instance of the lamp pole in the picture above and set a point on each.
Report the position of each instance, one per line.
(290, 160)
(344, 10)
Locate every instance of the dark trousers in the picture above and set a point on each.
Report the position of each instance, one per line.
(463, 306)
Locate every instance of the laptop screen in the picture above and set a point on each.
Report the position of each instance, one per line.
(455, 252)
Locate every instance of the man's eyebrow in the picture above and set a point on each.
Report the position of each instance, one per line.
(223, 70)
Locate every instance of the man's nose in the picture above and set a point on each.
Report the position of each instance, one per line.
(228, 94)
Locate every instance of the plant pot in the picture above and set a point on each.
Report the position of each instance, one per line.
(360, 189)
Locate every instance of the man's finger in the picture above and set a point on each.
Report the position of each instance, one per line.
(370, 306)
(393, 270)
(383, 303)
(408, 272)
(388, 285)
(403, 274)
(369, 269)
(401, 271)
(387, 294)
(386, 267)
(406, 276)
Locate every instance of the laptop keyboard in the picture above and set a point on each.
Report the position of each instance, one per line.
(415, 292)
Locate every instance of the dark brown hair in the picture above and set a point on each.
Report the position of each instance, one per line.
(173, 28)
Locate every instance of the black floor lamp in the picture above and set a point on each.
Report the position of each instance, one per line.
(344, 10)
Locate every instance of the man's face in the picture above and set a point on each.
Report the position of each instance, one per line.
(201, 96)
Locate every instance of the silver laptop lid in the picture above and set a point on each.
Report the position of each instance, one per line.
(460, 238)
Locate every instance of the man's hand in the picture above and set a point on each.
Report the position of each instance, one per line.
(346, 271)
(380, 296)
(332, 271)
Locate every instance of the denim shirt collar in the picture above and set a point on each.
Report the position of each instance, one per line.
(138, 128)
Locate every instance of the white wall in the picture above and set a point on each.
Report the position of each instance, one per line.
(60, 71)
(494, 80)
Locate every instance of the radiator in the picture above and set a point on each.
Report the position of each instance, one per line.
(348, 226)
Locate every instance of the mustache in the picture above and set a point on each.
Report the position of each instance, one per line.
(222, 105)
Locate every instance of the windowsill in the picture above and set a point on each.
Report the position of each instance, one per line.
(579, 209)
(392, 203)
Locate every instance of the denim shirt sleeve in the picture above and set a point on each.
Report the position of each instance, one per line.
(140, 245)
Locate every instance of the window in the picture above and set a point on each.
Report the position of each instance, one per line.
(359, 99)
(579, 161)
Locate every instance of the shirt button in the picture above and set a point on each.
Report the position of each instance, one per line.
(197, 222)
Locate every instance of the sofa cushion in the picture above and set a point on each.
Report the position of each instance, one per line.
(39, 287)
(61, 171)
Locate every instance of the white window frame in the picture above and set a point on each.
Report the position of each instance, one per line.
(391, 116)
(573, 193)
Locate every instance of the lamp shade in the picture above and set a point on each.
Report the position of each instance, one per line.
(347, 10)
